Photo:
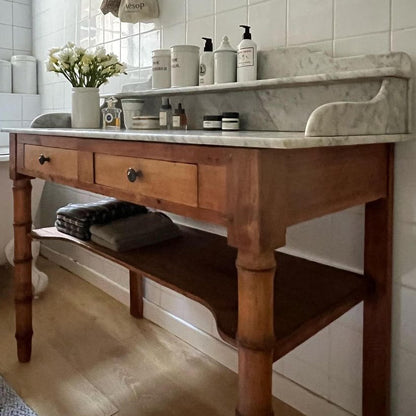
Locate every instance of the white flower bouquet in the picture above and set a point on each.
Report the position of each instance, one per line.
(84, 68)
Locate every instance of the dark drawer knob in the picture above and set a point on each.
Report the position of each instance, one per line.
(132, 174)
(43, 159)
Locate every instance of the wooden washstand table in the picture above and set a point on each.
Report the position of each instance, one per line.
(256, 185)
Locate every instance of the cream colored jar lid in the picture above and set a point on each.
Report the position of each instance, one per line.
(161, 52)
(26, 58)
(185, 48)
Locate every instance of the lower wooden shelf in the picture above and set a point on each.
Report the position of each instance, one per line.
(201, 266)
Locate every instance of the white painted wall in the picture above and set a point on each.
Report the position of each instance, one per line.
(329, 363)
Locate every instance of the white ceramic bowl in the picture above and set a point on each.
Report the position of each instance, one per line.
(146, 123)
(132, 107)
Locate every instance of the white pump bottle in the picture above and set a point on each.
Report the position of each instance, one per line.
(246, 57)
(206, 64)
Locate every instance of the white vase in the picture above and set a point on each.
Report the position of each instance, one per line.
(85, 108)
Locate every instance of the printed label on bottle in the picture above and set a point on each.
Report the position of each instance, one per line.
(163, 117)
(176, 121)
(109, 118)
(245, 57)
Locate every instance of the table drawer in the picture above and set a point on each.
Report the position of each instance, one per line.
(51, 161)
(170, 181)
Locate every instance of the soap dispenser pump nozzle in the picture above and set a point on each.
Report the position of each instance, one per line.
(246, 34)
(208, 45)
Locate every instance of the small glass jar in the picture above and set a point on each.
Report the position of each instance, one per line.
(230, 121)
(212, 122)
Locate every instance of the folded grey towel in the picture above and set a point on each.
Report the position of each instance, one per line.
(134, 232)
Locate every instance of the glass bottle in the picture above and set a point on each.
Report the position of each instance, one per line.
(111, 115)
(179, 120)
(165, 114)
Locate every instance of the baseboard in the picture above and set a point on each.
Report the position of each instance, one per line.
(91, 276)
(285, 389)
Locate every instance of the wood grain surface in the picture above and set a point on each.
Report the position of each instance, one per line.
(91, 358)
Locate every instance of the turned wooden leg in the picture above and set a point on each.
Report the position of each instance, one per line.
(23, 267)
(255, 333)
(377, 308)
(136, 294)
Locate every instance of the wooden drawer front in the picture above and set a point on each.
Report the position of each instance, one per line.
(62, 162)
(170, 181)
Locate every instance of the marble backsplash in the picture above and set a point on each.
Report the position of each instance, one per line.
(288, 106)
(274, 109)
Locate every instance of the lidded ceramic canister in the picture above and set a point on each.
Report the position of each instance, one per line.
(184, 65)
(161, 68)
(225, 63)
(24, 74)
(5, 76)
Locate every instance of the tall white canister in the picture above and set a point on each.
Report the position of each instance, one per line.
(185, 65)
(161, 68)
(24, 74)
(5, 76)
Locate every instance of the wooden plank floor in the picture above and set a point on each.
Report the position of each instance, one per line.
(91, 358)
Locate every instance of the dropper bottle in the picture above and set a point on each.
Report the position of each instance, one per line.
(165, 114)
(179, 120)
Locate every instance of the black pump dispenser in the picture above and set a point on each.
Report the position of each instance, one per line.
(247, 34)
(208, 45)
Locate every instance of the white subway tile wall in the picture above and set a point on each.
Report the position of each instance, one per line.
(15, 28)
(329, 364)
(17, 110)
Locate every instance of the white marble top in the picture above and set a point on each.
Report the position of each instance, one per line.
(252, 139)
(270, 83)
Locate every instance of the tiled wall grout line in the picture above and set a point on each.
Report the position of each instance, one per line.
(287, 25)
(333, 27)
(391, 24)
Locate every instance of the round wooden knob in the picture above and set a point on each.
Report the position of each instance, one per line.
(133, 174)
(43, 159)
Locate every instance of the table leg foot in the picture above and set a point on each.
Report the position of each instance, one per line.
(255, 333)
(24, 347)
(136, 295)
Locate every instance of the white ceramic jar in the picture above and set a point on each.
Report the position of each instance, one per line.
(85, 108)
(161, 68)
(225, 63)
(24, 74)
(184, 65)
(132, 107)
(5, 76)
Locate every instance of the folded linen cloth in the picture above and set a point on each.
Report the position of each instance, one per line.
(110, 6)
(100, 212)
(134, 232)
(134, 11)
